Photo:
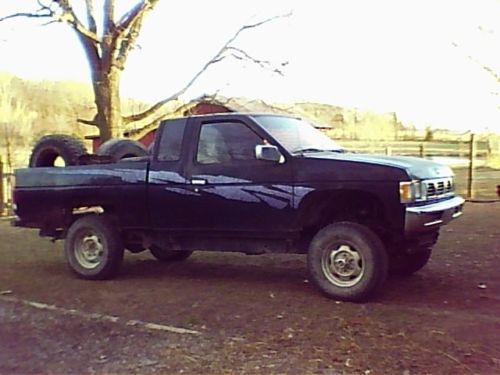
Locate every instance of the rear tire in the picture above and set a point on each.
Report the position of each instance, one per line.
(54, 146)
(169, 255)
(347, 261)
(93, 248)
(122, 148)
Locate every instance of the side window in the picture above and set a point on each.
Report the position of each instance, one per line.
(226, 142)
(171, 140)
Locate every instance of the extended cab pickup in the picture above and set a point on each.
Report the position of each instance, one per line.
(252, 183)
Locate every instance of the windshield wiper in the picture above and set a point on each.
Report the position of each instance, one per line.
(312, 149)
(306, 150)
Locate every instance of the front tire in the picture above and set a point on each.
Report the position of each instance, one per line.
(347, 261)
(93, 248)
(164, 255)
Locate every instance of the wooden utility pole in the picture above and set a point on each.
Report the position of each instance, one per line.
(471, 166)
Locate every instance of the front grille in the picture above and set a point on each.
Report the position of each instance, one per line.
(439, 188)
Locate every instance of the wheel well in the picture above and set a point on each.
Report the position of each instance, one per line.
(323, 208)
(56, 222)
(77, 212)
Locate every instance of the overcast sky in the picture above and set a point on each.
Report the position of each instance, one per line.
(421, 59)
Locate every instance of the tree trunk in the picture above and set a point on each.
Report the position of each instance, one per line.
(107, 99)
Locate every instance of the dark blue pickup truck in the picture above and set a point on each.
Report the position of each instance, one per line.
(251, 183)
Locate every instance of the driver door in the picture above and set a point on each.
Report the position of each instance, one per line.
(234, 190)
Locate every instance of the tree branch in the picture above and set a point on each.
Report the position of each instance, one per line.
(243, 55)
(130, 16)
(87, 122)
(43, 12)
(154, 113)
(91, 16)
(109, 16)
(28, 15)
(487, 69)
(127, 42)
(68, 15)
(491, 72)
(128, 29)
(254, 25)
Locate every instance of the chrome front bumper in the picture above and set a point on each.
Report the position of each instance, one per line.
(423, 218)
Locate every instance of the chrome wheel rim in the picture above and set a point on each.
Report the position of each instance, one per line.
(343, 266)
(89, 250)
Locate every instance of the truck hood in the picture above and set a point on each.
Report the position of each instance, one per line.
(417, 168)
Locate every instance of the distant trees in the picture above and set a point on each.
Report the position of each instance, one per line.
(107, 46)
(31, 109)
(15, 121)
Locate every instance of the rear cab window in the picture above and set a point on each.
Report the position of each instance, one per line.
(170, 146)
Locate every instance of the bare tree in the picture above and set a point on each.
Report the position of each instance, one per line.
(107, 48)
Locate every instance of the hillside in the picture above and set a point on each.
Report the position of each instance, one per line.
(31, 109)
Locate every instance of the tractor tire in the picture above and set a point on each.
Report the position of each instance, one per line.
(52, 147)
(122, 148)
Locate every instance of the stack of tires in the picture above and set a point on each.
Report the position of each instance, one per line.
(64, 150)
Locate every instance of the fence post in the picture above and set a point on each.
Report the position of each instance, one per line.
(422, 150)
(471, 166)
(2, 195)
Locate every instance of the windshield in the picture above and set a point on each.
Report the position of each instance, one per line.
(297, 136)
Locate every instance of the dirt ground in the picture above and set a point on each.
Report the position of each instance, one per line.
(252, 314)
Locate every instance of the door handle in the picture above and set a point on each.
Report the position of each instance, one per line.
(198, 181)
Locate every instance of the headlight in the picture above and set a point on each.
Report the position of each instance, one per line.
(410, 191)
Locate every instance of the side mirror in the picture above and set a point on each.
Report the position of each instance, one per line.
(269, 153)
